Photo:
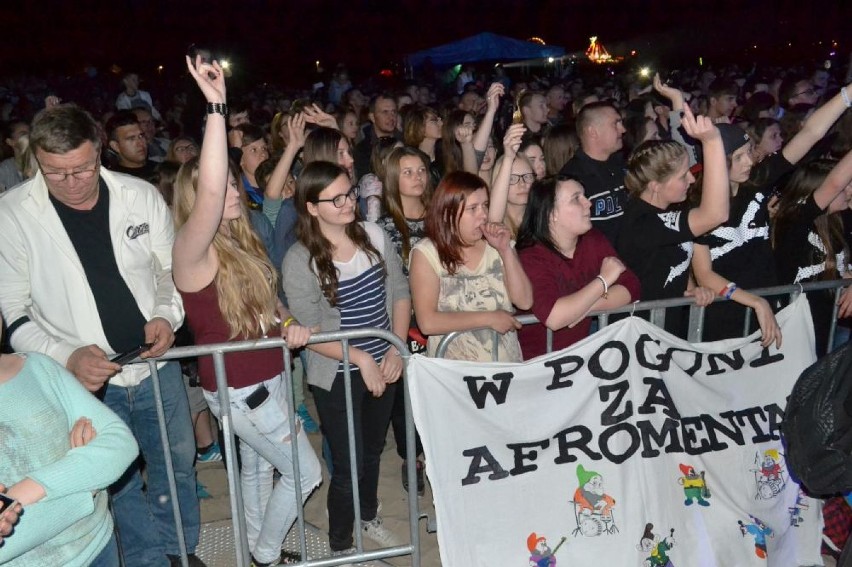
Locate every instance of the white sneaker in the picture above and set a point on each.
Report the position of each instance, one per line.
(375, 531)
(343, 552)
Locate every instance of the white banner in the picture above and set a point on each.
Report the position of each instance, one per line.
(630, 448)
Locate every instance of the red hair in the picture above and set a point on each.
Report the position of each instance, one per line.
(442, 217)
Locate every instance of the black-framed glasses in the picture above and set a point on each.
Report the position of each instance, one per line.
(515, 178)
(79, 175)
(340, 200)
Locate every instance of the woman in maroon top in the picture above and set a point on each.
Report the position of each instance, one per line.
(229, 287)
(572, 266)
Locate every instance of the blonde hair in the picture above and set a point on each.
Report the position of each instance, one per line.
(246, 281)
(653, 160)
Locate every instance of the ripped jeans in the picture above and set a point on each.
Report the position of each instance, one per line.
(265, 445)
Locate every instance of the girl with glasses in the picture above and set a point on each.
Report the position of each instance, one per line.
(345, 274)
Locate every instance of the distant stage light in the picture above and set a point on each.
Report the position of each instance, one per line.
(644, 71)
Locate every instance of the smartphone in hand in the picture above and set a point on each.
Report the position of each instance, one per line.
(6, 504)
(126, 357)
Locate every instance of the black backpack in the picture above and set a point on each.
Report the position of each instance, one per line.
(817, 427)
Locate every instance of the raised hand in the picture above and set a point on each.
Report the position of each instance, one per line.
(210, 79)
(315, 115)
(492, 97)
(296, 127)
(669, 92)
(512, 140)
(464, 135)
(497, 235)
(699, 127)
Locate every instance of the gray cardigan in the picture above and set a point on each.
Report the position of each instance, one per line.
(310, 307)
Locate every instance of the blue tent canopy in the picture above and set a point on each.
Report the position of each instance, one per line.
(483, 47)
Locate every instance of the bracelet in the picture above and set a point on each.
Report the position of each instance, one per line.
(731, 290)
(288, 322)
(724, 291)
(217, 108)
(605, 293)
(845, 96)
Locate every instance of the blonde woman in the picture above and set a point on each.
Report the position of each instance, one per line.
(229, 288)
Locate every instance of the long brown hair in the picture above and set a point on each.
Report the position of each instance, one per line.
(829, 227)
(451, 149)
(314, 179)
(442, 217)
(246, 281)
(391, 199)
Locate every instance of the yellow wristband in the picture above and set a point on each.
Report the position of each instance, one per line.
(288, 322)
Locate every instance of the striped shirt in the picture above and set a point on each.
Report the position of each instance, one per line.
(361, 302)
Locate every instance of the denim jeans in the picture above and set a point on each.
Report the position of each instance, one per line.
(265, 445)
(371, 419)
(108, 557)
(143, 514)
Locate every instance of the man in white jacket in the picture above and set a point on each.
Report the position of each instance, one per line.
(85, 273)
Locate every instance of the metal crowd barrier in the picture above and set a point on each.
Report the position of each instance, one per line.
(241, 544)
(658, 308)
(657, 316)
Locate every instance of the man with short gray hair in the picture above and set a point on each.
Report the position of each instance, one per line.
(85, 274)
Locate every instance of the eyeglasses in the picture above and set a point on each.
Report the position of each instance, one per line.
(809, 91)
(340, 200)
(515, 178)
(185, 149)
(80, 175)
(435, 119)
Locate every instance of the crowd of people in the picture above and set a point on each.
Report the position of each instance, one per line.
(424, 211)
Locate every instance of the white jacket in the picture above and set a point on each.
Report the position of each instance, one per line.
(41, 276)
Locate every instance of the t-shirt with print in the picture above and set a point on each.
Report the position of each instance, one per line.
(740, 249)
(800, 257)
(416, 231)
(480, 289)
(603, 182)
(657, 245)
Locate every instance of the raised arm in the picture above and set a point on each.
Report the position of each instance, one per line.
(518, 284)
(464, 136)
(480, 138)
(194, 265)
(278, 178)
(499, 195)
(816, 127)
(835, 182)
(671, 93)
(716, 192)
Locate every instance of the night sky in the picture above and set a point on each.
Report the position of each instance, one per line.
(280, 41)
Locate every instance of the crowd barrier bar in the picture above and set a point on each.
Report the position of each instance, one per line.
(658, 308)
(218, 352)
